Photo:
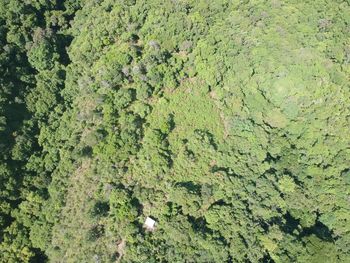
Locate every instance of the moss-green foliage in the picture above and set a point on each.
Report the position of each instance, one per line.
(225, 121)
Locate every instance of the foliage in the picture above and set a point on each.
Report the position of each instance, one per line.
(225, 121)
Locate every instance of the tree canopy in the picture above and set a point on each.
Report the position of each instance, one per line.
(227, 122)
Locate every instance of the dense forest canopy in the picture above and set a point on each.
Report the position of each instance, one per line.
(225, 121)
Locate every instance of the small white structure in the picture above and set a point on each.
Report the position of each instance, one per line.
(149, 224)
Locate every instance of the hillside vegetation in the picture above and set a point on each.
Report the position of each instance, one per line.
(227, 122)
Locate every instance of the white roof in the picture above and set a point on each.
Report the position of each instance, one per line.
(150, 223)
